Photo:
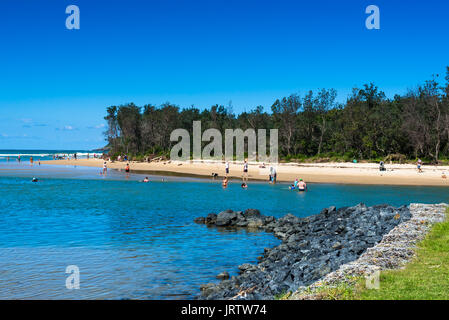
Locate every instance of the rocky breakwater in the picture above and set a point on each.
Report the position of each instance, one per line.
(311, 247)
(395, 250)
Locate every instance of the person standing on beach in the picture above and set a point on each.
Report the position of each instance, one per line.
(105, 168)
(245, 171)
(419, 164)
(273, 175)
(227, 168)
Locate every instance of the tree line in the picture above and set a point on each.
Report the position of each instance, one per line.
(367, 126)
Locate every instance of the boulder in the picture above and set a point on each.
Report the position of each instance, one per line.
(226, 218)
(251, 213)
(223, 276)
(211, 218)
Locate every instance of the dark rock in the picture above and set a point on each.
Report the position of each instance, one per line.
(311, 247)
(211, 218)
(254, 223)
(223, 276)
(250, 213)
(200, 220)
(226, 218)
(247, 267)
(337, 246)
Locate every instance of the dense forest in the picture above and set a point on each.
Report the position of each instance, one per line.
(312, 126)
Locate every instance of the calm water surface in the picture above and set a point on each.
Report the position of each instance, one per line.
(138, 241)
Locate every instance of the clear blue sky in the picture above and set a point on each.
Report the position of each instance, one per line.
(55, 84)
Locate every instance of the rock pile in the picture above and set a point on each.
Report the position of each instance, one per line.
(311, 247)
(394, 250)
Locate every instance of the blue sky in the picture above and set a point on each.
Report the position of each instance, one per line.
(55, 84)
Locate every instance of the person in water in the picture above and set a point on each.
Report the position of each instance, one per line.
(244, 185)
(146, 180)
(34, 180)
(127, 168)
(302, 186)
(225, 182)
(105, 168)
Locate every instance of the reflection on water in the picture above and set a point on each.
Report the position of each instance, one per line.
(138, 241)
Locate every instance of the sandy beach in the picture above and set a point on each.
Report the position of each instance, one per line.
(349, 173)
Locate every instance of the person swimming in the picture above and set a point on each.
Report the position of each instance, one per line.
(34, 180)
(244, 185)
(225, 182)
(146, 180)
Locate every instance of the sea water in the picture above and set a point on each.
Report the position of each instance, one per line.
(133, 240)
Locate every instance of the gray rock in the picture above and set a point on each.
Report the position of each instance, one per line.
(226, 218)
(311, 247)
(223, 276)
(250, 213)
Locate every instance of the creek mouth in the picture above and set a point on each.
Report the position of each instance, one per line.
(311, 247)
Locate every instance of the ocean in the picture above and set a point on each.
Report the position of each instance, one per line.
(132, 240)
(25, 155)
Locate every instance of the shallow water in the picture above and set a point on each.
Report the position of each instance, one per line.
(138, 241)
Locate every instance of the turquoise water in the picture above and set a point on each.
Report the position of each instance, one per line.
(138, 241)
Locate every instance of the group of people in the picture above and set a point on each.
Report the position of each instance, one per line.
(300, 185)
(418, 166)
(124, 158)
(225, 182)
(272, 178)
(244, 184)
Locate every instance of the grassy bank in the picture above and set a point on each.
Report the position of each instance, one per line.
(426, 277)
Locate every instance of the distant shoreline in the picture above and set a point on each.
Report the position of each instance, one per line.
(340, 173)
